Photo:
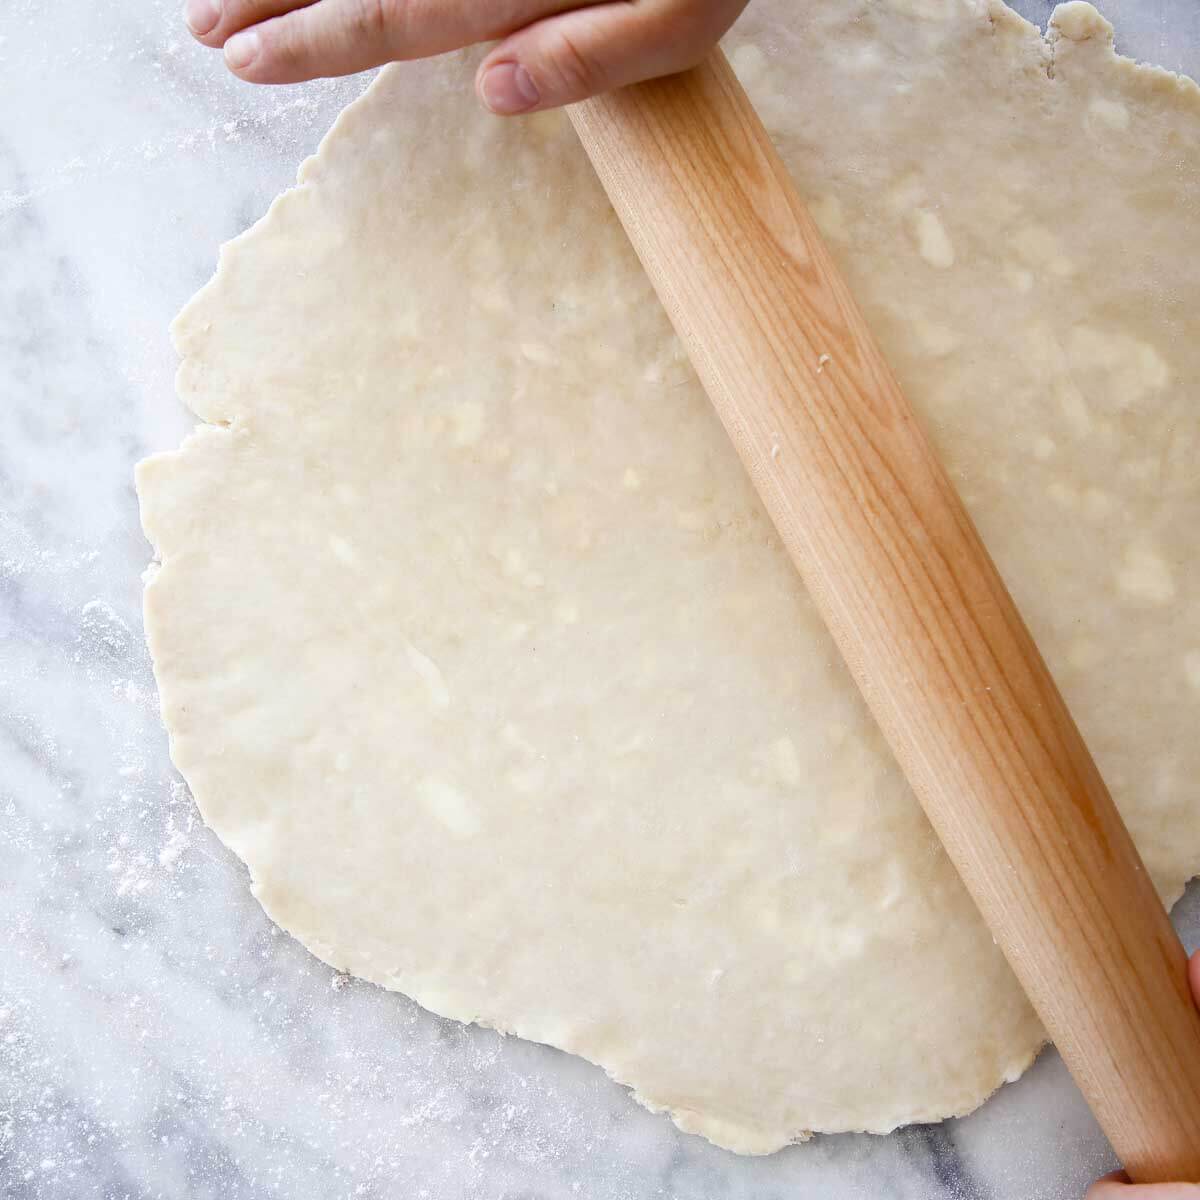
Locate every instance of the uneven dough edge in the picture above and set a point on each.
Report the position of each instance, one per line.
(1070, 21)
(1075, 21)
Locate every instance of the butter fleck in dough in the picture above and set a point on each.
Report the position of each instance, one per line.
(476, 645)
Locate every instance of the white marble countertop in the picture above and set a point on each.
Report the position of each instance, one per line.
(158, 1037)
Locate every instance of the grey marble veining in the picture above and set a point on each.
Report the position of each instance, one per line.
(158, 1036)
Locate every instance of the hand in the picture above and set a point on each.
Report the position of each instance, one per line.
(1117, 1186)
(551, 52)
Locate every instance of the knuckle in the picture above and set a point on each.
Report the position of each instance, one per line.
(376, 19)
(575, 71)
(281, 48)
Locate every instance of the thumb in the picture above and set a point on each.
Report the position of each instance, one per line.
(569, 57)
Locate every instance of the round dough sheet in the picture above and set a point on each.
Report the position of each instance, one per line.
(476, 645)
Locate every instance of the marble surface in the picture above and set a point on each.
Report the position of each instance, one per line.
(158, 1037)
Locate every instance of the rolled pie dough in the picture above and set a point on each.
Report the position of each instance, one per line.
(475, 644)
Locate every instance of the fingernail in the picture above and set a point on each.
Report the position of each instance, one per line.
(201, 16)
(507, 88)
(242, 49)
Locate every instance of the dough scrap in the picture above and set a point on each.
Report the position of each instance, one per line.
(475, 644)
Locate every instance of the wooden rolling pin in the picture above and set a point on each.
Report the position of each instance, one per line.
(911, 596)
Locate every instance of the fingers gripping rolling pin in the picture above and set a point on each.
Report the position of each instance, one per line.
(910, 595)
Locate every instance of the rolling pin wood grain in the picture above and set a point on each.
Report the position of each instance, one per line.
(911, 596)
